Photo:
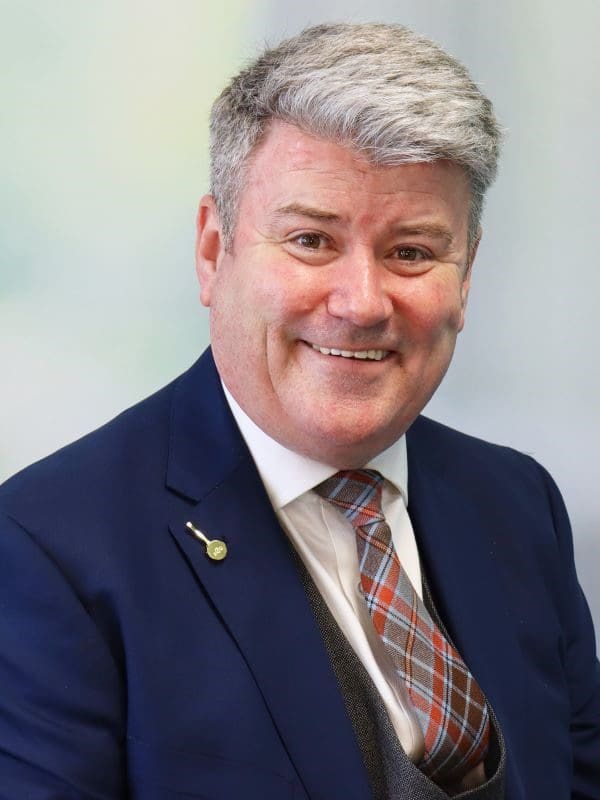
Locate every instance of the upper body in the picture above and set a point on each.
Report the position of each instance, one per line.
(134, 666)
(335, 253)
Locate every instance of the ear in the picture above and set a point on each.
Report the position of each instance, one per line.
(209, 247)
(466, 281)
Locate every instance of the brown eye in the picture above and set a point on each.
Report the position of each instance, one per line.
(310, 240)
(408, 253)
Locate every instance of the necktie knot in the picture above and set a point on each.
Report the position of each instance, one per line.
(357, 493)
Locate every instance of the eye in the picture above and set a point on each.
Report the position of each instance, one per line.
(410, 254)
(311, 241)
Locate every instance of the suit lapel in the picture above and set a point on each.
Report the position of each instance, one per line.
(256, 590)
(456, 538)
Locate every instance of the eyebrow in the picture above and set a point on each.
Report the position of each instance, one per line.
(426, 229)
(299, 210)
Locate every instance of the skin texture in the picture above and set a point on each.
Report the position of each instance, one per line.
(331, 250)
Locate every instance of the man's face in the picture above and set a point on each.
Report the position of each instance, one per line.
(335, 313)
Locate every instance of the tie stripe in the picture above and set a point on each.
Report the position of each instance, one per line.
(448, 702)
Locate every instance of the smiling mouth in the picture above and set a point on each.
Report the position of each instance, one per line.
(361, 355)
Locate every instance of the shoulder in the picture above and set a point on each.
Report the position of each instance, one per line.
(133, 445)
(445, 444)
(478, 466)
(115, 480)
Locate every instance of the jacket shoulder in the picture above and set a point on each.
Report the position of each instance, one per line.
(428, 434)
(470, 461)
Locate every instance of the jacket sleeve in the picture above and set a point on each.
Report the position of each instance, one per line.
(581, 663)
(61, 695)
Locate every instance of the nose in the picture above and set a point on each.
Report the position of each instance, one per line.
(359, 294)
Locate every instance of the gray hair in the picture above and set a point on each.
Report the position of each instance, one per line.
(392, 95)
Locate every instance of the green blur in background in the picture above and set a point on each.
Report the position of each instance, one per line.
(105, 138)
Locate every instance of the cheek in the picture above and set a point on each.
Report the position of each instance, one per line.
(285, 299)
(238, 299)
(254, 309)
(433, 310)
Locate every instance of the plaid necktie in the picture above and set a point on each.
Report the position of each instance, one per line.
(449, 704)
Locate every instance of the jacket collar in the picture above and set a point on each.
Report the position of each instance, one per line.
(205, 444)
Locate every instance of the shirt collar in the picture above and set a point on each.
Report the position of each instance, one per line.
(287, 475)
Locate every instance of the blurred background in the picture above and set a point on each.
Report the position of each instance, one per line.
(104, 143)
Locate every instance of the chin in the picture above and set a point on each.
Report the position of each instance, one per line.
(345, 446)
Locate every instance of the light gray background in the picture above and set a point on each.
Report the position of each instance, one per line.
(104, 138)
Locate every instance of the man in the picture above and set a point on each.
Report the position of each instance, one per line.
(273, 578)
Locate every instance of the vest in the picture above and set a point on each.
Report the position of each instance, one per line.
(393, 776)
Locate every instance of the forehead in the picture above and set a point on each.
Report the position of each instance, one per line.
(286, 148)
(291, 165)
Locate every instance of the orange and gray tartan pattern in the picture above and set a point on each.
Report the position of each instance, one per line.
(449, 704)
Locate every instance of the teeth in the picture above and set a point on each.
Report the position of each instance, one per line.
(371, 355)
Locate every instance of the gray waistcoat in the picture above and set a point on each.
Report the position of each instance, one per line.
(392, 774)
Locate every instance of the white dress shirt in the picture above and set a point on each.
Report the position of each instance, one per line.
(326, 542)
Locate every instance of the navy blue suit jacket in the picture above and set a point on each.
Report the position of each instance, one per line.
(132, 666)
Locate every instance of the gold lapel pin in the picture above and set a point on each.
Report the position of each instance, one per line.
(215, 548)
